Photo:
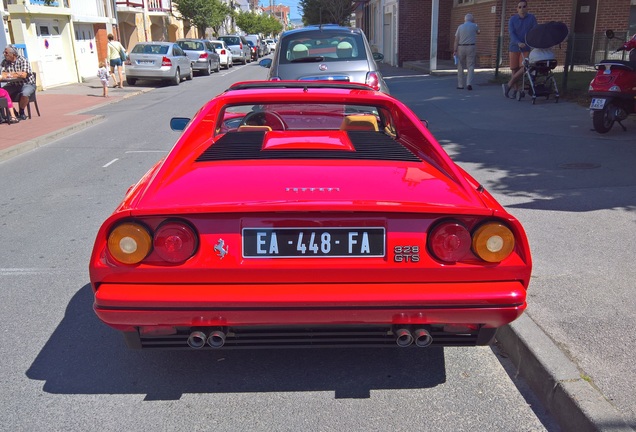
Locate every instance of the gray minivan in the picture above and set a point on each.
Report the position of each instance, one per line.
(325, 52)
(239, 47)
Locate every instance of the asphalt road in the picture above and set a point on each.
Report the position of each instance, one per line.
(575, 193)
(62, 369)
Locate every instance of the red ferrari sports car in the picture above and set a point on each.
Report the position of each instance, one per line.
(308, 214)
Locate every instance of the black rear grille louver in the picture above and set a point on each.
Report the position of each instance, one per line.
(368, 145)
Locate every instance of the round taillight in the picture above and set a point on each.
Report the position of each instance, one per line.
(449, 241)
(175, 241)
(493, 242)
(129, 243)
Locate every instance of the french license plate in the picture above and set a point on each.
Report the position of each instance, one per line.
(313, 242)
(597, 104)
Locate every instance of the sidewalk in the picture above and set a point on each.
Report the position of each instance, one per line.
(555, 378)
(61, 110)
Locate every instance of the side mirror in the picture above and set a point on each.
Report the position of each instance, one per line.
(609, 34)
(179, 123)
(424, 122)
(266, 63)
(378, 56)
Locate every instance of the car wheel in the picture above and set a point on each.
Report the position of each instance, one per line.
(208, 70)
(131, 81)
(176, 79)
(602, 120)
(218, 66)
(190, 76)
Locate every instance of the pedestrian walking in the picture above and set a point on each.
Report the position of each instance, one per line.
(115, 55)
(466, 51)
(104, 77)
(518, 26)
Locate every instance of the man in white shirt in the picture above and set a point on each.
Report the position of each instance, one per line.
(466, 51)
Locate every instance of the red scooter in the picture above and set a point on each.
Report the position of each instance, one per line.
(613, 89)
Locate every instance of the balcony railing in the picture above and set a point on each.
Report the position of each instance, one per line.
(153, 5)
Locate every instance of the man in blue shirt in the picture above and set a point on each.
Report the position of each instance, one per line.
(518, 26)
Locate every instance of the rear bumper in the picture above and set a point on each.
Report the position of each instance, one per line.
(308, 315)
(490, 304)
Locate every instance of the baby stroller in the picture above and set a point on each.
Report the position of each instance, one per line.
(538, 78)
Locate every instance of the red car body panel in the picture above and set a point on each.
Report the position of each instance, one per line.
(229, 291)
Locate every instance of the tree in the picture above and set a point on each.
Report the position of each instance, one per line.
(253, 23)
(326, 11)
(202, 13)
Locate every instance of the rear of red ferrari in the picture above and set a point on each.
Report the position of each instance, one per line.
(310, 253)
(281, 245)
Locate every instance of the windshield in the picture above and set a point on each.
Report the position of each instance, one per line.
(305, 116)
(324, 45)
(150, 49)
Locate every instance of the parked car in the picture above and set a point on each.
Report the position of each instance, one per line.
(240, 49)
(326, 52)
(339, 221)
(164, 61)
(271, 44)
(265, 48)
(253, 50)
(256, 41)
(202, 55)
(225, 55)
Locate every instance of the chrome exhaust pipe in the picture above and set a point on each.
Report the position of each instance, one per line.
(404, 337)
(196, 339)
(422, 338)
(216, 339)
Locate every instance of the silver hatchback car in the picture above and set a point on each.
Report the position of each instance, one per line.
(202, 54)
(326, 52)
(164, 61)
(238, 45)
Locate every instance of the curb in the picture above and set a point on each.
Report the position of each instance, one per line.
(41, 141)
(556, 380)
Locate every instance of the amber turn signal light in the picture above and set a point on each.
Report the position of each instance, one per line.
(129, 243)
(493, 242)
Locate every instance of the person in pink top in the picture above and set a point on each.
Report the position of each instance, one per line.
(12, 118)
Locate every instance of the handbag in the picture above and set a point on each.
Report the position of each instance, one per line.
(122, 52)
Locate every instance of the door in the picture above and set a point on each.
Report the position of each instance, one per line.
(54, 69)
(86, 50)
(584, 23)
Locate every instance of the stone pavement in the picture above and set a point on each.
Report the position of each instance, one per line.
(576, 404)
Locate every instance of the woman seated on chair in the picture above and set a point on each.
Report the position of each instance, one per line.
(22, 85)
(12, 118)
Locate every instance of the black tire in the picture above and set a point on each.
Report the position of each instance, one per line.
(208, 70)
(131, 81)
(602, 121)
(218, 66)
(190, 77)
(176, 79)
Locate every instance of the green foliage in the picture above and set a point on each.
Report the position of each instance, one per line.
(326, 11)
(252, 23)
(202, 13)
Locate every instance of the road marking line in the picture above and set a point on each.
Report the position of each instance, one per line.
(110, 163)
(146, 151)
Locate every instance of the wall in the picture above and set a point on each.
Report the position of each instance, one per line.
(414, 28)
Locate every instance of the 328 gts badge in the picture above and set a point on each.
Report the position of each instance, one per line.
(406, 253)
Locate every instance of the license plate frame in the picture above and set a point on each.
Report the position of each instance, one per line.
(313, 242)
(598, 103)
